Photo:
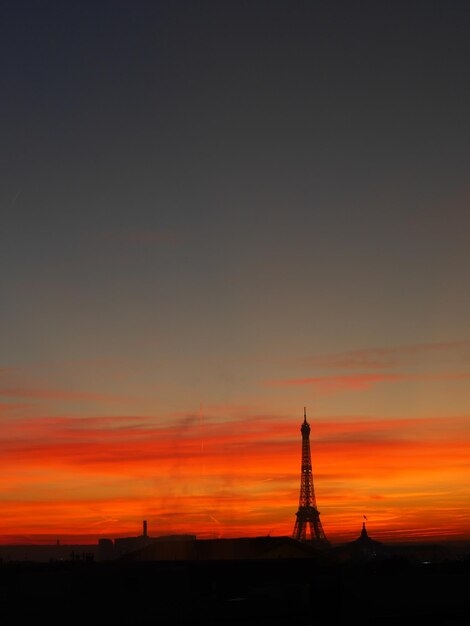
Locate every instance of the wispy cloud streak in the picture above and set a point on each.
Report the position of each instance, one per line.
(390, 357)
(360, 382)
(79, 472)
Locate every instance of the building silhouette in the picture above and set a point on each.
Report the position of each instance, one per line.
(123, 545)
(364, 547)
(308, 516)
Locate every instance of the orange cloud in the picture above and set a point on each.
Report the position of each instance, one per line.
(60, 394)
(8, 407)
(71, 475)
(388, 357)
(360, 382)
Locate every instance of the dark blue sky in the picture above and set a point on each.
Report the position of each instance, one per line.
(203, 183)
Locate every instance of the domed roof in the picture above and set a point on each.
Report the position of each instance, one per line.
(364, 539)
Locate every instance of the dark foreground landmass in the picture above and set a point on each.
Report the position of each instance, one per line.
(292, 592)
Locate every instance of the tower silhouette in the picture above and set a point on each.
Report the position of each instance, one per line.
(308, 514)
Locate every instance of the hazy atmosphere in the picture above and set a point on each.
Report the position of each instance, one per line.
(215, 214)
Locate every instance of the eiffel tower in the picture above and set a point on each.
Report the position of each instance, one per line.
(308, 514)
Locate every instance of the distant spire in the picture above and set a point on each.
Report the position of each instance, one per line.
(364, 536)
(305, 414)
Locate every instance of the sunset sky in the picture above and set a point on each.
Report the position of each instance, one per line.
(214, 214)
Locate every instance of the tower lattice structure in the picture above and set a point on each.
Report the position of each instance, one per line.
(308, 515)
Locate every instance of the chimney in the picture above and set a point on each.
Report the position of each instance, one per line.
(145, 528)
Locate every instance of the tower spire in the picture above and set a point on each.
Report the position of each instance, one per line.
(308, 515)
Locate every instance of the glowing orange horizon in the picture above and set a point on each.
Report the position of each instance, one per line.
(83, 479)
